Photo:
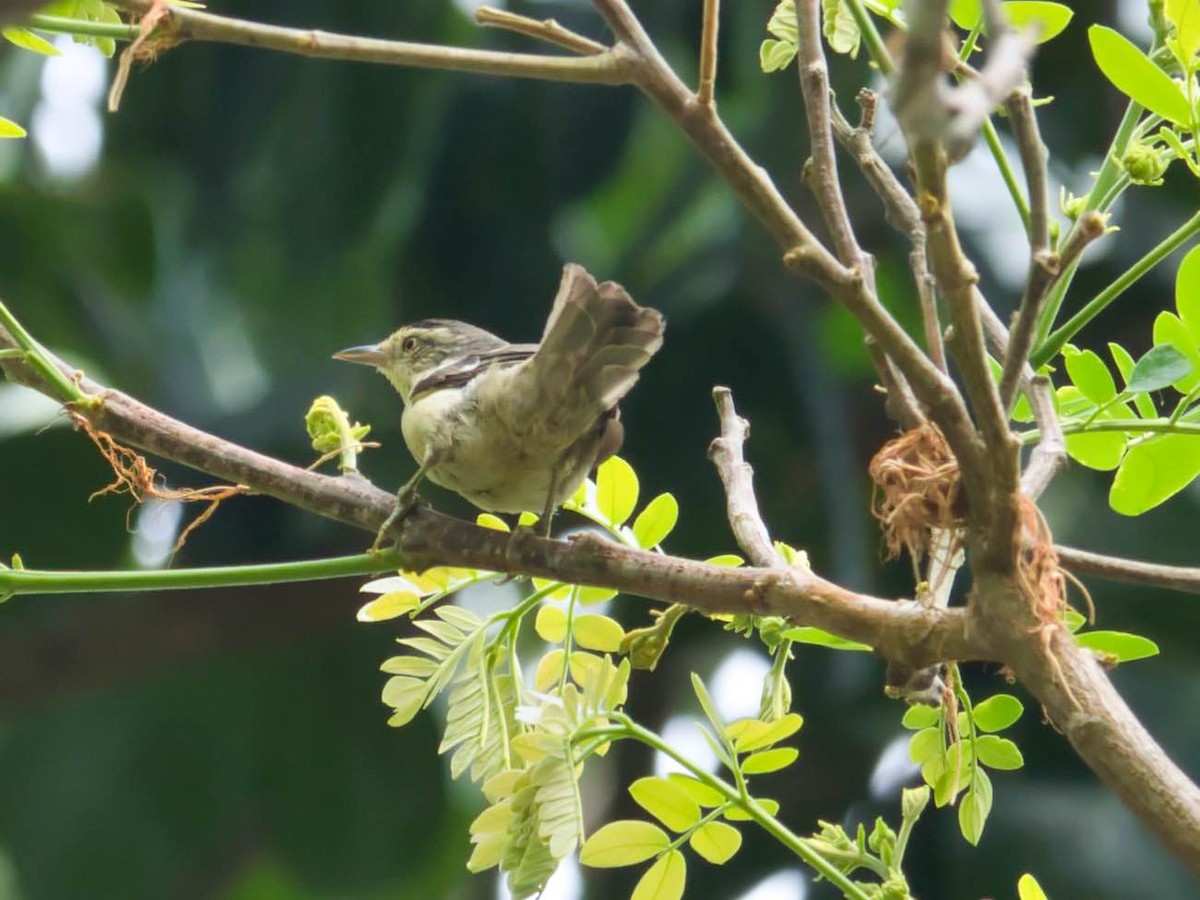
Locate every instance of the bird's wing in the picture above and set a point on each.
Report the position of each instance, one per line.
(596, 340)
(461, 370)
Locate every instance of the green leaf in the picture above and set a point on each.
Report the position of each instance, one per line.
(706, 704)
(1185, 16)
(1124, 363)
(596, 632)
(1170, 329)
(10, 129)
(840, 28)
(965, 13)
(697, 790)
(924, 745)
(406, 696)
(730, 560)
(1187, 294)
(1133, 74)
(1153, 471)
(754, 734)
(1099, 450)
(616, 490)
(774, 56)
(623, 843)
(666, 801)
(27, 40)
(1161, 367)
(920, 716)
(973, 812)
(551, 624)
(1028, 887)
(716, 842)
(769, 760)
(656, 521)
(589, 596)
(997, 712)
(1073, 619)
(998, 753)
(1051, 18)
(664, 880)
(810, 635)
(1089, 373)
(388, 606)
(1124, 647)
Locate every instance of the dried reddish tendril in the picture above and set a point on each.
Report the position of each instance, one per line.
(134, 476)
(916, 490)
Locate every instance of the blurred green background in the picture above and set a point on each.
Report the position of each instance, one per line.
(244, 215)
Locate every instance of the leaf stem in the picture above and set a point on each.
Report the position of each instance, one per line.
(66, 389)
(1054, 343)
(42, 581)
(67, 25)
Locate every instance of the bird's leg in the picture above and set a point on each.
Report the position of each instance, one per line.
(548, 510)
(406, 497)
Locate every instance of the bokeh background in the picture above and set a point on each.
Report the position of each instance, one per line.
(244, 215)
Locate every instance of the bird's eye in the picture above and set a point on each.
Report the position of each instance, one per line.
(409, 345)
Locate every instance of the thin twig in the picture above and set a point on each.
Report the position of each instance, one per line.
(1185, 579)
(822, 172)
(738, 478)
(608, 67)
(1049, 457)
(708, 53)
(547, 30)
(899, 210)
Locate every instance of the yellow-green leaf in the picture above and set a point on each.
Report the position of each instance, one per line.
(1029, 889)
(769, 760)
(388, 606)
(406, 696)
(666, 801)
(616, 490)
(1135, 75)
(10, 129)
(697, 790)
(27, 40)
(549, 671)
(589, 596)
(731, 560)
(757, 734)
(664, 880)
(1051, 18)
(487, 520)
(562, 592)
(716, 842)
(623, 843)
(551, 624)
(596, 632)
(656, 521)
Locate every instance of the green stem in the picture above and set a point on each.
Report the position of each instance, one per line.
(1100, 198)
(68, 391)
(876, 48)
(1052, 345)
(798, 845)
(992, 137)
(35, 581)
(1137, 426)
(66, 25)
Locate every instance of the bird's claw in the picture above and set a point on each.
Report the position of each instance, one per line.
(406, 501)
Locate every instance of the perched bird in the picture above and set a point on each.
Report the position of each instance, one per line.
(517, 427)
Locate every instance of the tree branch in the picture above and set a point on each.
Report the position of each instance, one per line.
(904, 630)
(738, 478)
(547, 30)
(1185, 579)
(708, 53)
(608, 67)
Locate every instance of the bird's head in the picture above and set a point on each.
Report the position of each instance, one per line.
(419, 348)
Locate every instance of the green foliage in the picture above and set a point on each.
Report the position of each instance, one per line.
(951, 752)
(1118, 646)
(1029, 889)
(87, 11)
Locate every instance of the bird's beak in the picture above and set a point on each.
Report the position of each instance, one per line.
(367, 355)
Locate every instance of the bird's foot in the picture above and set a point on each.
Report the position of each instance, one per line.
(406, 501)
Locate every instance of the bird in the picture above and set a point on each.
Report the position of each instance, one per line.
(517, 428)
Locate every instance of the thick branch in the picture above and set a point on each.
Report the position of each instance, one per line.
(903, 631)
